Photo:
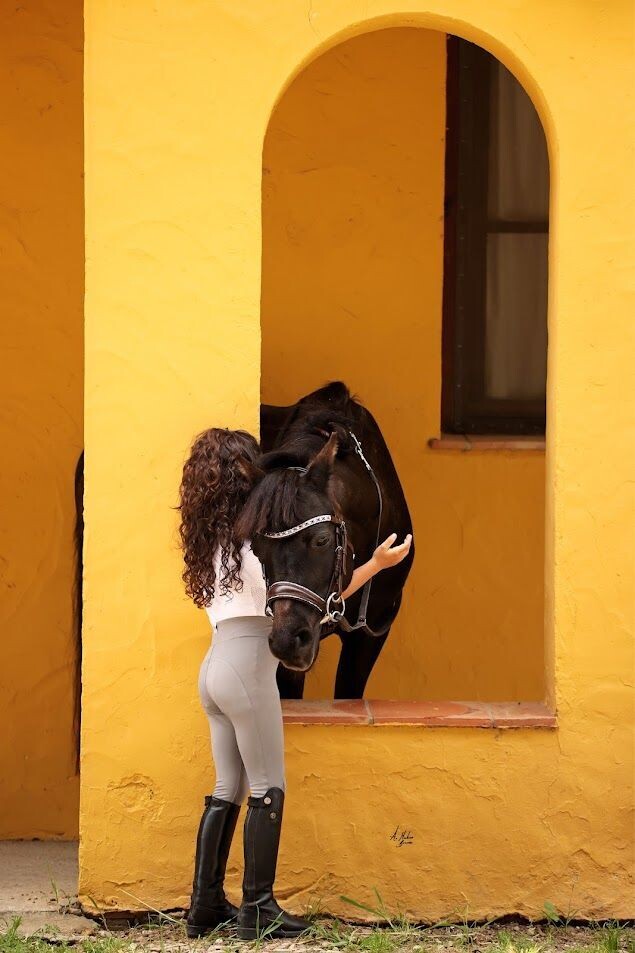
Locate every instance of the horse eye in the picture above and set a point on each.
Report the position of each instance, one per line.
(322, 541)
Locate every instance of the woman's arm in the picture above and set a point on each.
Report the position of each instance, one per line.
(384, 556)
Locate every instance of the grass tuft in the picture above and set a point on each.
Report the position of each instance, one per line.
(396, 935)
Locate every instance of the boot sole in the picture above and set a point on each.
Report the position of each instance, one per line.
(251, 933)
(194, 932)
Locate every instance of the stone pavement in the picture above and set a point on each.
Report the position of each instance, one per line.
(38, 884)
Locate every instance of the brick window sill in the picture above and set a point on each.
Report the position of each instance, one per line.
(427, 714)
(463, 444)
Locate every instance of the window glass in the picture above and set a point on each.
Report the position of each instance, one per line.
(496, 250)
(515, 325)
(518, 161)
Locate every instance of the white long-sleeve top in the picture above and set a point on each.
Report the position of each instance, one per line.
(250, 600)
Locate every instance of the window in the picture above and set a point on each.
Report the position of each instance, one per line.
(495, 260)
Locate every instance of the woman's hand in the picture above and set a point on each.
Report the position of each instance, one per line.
(387, 554)
(384, 556)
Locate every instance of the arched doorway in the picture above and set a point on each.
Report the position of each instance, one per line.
(358, 203)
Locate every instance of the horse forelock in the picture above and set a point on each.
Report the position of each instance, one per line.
(280, 500)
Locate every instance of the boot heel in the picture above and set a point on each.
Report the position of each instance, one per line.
(247, 933)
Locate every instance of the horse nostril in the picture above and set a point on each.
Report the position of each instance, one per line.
(303, 638)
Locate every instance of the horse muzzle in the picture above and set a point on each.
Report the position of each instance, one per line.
(295, 636)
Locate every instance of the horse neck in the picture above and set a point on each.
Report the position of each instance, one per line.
(356, 497)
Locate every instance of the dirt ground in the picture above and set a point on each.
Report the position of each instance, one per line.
(39, 914)
(167, 935)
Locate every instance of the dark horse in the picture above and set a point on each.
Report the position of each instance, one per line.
(78, 604)
(312, 465)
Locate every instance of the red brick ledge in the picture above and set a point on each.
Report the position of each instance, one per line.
(429, 714)
(466, 443)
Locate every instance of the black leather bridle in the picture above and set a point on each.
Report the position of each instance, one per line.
(331, 607)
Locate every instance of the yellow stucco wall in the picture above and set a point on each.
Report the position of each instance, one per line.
(352, 278)
(41, 392)
(178, 98)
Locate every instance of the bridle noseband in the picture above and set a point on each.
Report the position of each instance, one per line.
(332, 607)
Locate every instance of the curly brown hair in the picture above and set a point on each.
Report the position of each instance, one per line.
(217, 478)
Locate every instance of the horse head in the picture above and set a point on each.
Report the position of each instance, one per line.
(290, 496)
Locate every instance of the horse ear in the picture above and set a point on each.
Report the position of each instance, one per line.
(320, 467)
(251, 470)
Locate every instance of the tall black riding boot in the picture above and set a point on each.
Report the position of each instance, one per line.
(209, 907)
(259, 913)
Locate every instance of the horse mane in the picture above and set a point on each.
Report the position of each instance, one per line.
(273, 504)
(331, 409)
(335, 394)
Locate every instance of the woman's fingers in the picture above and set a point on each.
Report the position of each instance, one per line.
(403, 549)
(391, 555)
(387, 543)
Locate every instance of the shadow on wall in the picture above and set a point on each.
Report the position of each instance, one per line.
(353, 189)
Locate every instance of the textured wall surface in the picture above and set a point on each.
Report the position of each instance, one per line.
(353, 192)
(41, 388)
(178, 98)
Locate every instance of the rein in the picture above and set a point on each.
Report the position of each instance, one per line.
(333, 606)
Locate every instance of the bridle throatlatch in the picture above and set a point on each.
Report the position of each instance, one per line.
(332, 607)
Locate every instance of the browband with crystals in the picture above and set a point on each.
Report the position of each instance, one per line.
(325, 518)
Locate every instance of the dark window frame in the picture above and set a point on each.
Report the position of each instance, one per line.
(465, 408)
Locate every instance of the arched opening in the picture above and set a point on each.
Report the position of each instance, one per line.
(368, 205)
(41, 424)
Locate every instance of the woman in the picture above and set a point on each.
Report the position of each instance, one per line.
(237, 686)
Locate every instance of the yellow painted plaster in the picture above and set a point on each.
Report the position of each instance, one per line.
(353, 191)
(41, 385)
(178, 98)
